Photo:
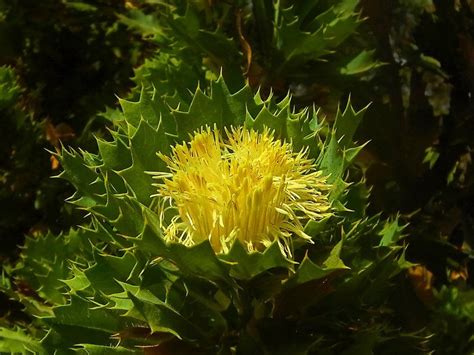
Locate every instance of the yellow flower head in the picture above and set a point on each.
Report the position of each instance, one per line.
(250, 186)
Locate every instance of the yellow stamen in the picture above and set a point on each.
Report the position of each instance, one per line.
(251, 187)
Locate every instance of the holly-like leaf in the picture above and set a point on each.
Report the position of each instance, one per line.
(103, 275)
(346, 124)
(303, 35)
(17, 342)
(162, 318)
(245, 266)
(83, 314)
(334, 259)
(362, 63)
(391, 233)
(199, 260)
(147, 25)
(309, 271)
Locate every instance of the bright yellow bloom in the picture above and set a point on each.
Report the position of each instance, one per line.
(250, 186)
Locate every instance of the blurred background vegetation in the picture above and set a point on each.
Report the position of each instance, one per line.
(67, 62)
(64, 62)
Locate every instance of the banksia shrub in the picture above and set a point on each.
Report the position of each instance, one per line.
(29, 199)
(231, 225)
(312, 48)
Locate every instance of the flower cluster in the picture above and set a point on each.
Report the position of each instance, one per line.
(249, 186)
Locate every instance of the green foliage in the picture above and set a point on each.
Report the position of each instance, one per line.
(421, 143)
(277, 45)
(16, 342)
(116, 286)
(65, 61)
(25, 187)
(71, 56)
(120, 280)
(455, 312)
(9, 90)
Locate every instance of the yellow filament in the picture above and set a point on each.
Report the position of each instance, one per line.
(251, 187)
